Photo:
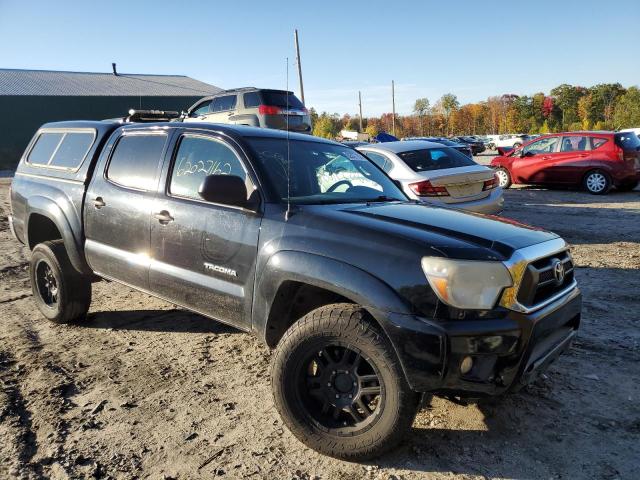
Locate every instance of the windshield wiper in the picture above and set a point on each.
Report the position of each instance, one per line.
(384, 198)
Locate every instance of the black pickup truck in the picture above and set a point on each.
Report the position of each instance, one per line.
(369, 299)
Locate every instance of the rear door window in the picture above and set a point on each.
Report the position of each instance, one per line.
(574, 144)
(221, 104)
(135, 160)
(435, 159)
(44, 148)
(597, 142)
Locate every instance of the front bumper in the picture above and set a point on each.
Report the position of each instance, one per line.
(507, 352)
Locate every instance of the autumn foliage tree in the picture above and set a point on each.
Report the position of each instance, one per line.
(565, 108)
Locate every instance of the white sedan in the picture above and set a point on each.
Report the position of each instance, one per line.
(440, 175)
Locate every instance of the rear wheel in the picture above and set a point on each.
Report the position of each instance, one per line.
(338, 385)
(61, 293)
(597, 182)
(504, 177)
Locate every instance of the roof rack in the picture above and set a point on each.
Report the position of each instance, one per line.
(150, 116)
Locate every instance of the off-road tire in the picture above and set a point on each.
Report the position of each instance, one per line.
(504, 177)
(597, 182)
(73, 289)
(350, 326)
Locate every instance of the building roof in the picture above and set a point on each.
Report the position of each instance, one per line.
(57, 83)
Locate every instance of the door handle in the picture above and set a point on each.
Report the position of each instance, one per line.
(163, 217)
(98, 202)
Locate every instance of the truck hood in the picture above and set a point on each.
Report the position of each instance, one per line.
(446, 229)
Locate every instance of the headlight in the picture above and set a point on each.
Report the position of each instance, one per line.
(466, 284)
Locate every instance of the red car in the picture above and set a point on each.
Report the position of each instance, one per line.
(597, 161)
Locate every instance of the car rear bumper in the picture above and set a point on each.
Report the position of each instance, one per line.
(505, 352)
(490, 205)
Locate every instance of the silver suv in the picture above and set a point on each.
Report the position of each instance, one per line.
(255, 107)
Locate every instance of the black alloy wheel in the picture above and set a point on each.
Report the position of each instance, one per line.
(339, 390)
(46, 284)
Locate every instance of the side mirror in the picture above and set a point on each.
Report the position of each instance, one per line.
(521, 153)
(224, 189)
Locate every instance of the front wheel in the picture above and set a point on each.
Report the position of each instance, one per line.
(504, 178)
(61, 293)
(597, 182)
(338, 385)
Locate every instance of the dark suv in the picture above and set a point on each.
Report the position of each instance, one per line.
(255, 107)
(367, 297)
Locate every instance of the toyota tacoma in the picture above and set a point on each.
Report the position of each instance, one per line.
(368, 298)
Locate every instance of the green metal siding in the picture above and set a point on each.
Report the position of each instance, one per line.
(21, 116)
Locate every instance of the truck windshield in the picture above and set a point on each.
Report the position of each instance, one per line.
(321, 173)
(435, 159)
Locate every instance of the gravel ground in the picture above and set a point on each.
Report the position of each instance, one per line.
(146, 390)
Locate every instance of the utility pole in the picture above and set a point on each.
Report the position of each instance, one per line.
(299, 66)
(393, 104)
(360, 104)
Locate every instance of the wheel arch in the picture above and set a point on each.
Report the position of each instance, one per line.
(47, 221)
(294, 283)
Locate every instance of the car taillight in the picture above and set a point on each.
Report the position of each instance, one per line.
(620, 153)
(490, 184)
(268, 110)
(426, 189)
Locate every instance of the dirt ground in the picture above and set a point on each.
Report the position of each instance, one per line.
(146, 390)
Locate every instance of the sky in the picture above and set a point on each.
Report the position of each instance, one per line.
(473, 49)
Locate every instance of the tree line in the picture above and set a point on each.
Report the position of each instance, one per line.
(607, 106)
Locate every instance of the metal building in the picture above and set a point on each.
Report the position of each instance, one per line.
(29, 98)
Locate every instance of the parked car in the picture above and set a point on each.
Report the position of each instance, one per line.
(367, 297)
(463, 148)
(439, 175)
(597, 161)
(491, 141)
(512, 141)
(633, 130)
(476, 145)
(256, 107)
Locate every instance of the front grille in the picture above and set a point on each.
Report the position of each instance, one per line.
(539, 282)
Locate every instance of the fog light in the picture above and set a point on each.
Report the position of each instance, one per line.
(466, 365)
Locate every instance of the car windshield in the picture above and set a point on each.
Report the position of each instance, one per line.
(279, 99)
(435, 159)
(321, 173)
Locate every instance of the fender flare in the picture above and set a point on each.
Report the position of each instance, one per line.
(323, 272)
(51, 210)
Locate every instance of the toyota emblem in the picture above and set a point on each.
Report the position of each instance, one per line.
(558, 271)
